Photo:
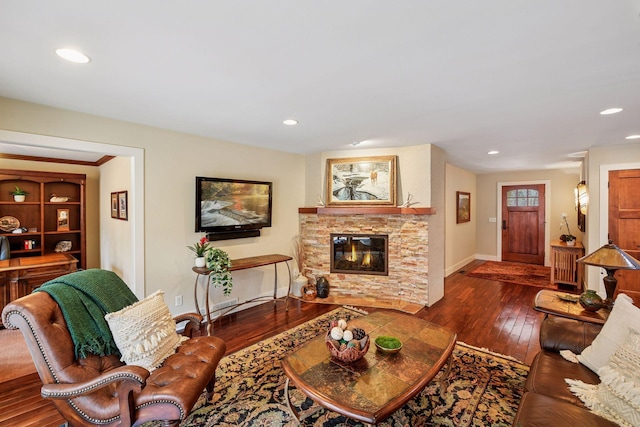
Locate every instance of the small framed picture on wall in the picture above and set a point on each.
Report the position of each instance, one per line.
(463, 207)
(122, 205)
(114, 205)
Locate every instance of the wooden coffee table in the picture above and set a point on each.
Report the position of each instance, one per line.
(374, 387)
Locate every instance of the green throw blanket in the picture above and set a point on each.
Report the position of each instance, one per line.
(84, 298)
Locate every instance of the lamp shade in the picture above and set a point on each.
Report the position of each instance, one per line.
(610, 256)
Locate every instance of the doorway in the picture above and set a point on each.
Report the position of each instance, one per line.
(135, 276)
(522, 235)
(624, 223)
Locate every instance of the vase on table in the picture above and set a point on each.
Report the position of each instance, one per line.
(298, 283)
(200, 262)
(591, 301)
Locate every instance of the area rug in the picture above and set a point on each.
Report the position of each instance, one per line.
(484, 388)
(514, 272)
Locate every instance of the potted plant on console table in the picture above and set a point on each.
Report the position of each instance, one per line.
(568, 238)
(200, 248)
(218, 265)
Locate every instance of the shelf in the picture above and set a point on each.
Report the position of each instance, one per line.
(367, 210)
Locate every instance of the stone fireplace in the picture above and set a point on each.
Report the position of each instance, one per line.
(407, 247)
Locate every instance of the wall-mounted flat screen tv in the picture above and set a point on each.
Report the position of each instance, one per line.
(232, 205)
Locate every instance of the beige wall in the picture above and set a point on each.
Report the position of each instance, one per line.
(172, 160)
(461, 238)
(560, 197)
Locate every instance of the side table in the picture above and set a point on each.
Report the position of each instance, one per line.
(564, 268)
(243, 264)
(561, 304)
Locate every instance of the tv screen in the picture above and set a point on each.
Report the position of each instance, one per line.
(229, 205)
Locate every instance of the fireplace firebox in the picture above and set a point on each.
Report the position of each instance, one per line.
(360, 254)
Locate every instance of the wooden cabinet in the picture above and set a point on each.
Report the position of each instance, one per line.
(48, 220)
(20, 276)
(564, 268)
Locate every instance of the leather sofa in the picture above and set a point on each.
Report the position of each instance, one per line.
(547, 400)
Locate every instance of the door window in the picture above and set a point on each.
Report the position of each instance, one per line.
(523, 197)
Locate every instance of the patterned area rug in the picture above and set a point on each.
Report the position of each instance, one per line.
(484, 388)
(514, 272)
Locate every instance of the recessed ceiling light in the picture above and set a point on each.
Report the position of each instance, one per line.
(73, 55)
(610, 111)
(290, 122)
(632, 137)
(492, 152)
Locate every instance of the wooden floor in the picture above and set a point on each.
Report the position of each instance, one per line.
(493, 315)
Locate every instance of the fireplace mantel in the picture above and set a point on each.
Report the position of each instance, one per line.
(367, 210)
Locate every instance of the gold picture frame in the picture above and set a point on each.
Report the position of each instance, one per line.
(463, 207)
(358, 181)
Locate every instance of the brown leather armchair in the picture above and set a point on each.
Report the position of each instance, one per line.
(102, 390)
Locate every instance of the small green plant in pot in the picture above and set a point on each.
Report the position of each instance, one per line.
(19, 194)
(218, 265)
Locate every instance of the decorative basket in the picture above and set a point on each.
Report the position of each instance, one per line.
(349, 354)
(309, 292)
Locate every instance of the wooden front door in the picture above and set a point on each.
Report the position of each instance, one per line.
(624, 223)
(523, 223)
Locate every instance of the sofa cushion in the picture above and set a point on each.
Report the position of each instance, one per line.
(617, 397)
(145, 332)
(548, 371)
(537, 410)
(613, 333)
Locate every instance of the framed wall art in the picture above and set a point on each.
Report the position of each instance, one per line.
(463, 207)
(361, 181)
(114, 205)
(62, 220)
(122, 205)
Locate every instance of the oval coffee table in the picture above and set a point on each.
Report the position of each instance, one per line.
(374, 387)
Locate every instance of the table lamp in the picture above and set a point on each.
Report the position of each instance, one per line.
(611, 258)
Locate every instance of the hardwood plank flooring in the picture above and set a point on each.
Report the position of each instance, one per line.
(484, 313)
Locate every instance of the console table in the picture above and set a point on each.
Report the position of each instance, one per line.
(243, 264)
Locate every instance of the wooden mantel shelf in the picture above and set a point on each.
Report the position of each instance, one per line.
(367, 210)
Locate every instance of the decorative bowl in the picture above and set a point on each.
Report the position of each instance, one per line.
(388, 345)
(309, 292)
(348, 354)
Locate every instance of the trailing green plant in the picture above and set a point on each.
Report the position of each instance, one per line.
(19, 192)
(218, 265)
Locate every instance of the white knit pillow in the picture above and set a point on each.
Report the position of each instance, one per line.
(612, 335)
(145, 332)
(617, 397)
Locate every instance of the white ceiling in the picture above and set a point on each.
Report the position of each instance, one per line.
(527, 78)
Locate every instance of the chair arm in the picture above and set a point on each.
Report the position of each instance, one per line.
(130, 378)
(559, 333)
(193, 328)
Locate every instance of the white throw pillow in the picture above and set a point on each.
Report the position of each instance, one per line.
(145, 332)
(613, 333)
(617, 397)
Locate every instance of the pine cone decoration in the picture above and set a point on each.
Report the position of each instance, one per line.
(358, 333)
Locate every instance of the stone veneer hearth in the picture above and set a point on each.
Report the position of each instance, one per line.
(408, 231)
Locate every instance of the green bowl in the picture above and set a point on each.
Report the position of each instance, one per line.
(389, 345)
